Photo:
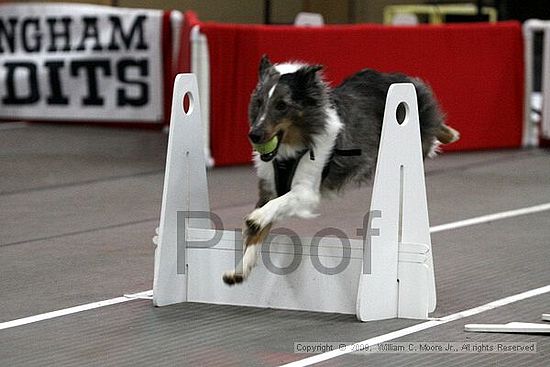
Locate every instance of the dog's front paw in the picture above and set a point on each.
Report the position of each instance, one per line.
(243, 270)
(231, 277)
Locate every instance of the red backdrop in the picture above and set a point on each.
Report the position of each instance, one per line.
(476, 71)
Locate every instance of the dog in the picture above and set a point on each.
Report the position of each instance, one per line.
(328, 138)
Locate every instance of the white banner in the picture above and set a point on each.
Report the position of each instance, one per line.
(80, 62)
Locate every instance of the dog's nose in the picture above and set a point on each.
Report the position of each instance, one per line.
(255, 136)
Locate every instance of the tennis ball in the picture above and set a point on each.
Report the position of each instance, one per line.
(268, 146)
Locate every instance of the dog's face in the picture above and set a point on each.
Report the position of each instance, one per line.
(283, 103)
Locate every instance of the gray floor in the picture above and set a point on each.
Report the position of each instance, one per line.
(78, 208)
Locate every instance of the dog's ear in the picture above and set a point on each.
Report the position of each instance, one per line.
(265, 67)
(308, 74)
(314, 68)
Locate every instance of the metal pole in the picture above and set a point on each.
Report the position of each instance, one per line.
(267, 11)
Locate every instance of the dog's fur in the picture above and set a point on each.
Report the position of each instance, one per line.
(292, 101)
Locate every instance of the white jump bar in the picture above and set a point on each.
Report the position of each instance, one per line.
(511, 327)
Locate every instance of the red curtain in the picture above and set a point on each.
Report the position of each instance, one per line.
(476, 71)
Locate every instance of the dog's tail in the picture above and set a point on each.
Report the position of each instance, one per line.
(447, 135)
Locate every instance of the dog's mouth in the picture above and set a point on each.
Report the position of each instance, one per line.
(267, 157)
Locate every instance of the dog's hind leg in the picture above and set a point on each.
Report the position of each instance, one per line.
(443, 135)
(447, 135)
(253, 239)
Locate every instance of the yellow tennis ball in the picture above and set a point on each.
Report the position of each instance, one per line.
(268, 146)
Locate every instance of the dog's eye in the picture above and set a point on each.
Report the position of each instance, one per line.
(259, 103)
(281, 106)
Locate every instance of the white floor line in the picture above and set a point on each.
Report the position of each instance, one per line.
(72, 310)
(491, 217)
(13, 125)
(419, 327)
(148, 294)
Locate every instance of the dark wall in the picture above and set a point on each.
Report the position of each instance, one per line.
(523, 9)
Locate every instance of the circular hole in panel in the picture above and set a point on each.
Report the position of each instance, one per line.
(188, 103)
(402, 113)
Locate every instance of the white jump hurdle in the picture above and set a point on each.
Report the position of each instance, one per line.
(395, 280)
(531, 129)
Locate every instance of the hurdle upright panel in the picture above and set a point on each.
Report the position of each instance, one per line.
(403, 230)
(387, 274)
(532, 131)
(185, 189)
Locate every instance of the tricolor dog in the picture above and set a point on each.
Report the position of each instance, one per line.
(313, 140)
